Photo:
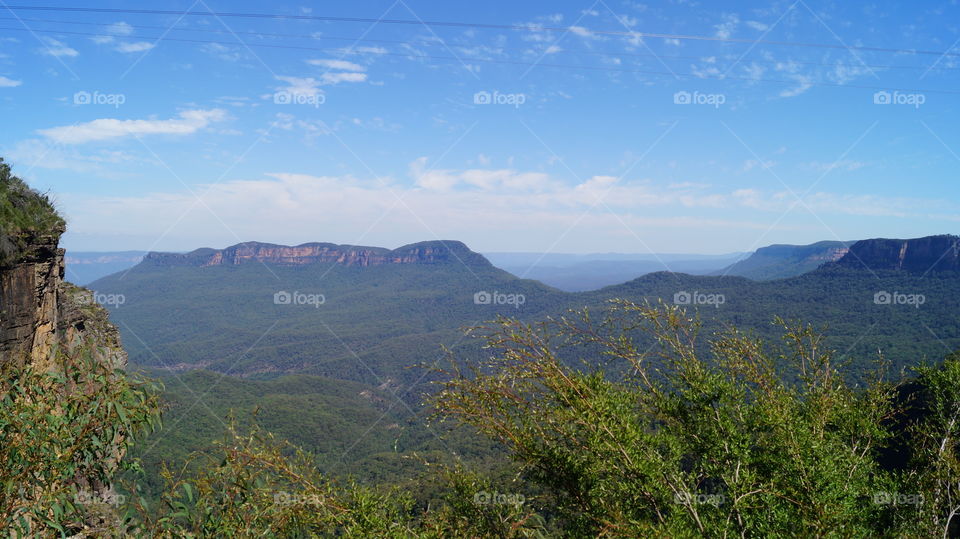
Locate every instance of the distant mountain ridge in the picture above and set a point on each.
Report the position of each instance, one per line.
(579, 273)
(782, 261)
(918, 255)
(427, 252)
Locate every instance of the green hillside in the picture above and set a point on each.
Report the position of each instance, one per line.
(386, 318)
(840, 300)
(377, 322)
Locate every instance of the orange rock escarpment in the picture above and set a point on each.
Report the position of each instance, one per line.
(429, 252)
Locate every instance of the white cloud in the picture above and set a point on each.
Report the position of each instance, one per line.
(335, 78)
(472, 205)
(726, 28)
(46, 154)
(58, 48)
(310, 87)
(803, 84)
(749, 198)
(368, 50)
(187, 122)
(120, 28)
(300, 86)
(8, 83)
(581, 31)
(286, 204)
(227, 54)
(482, 179)
(754, 70)
(342, 65)
(312, 129)
(135, 46)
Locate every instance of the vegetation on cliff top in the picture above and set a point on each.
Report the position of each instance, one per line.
(24, 215)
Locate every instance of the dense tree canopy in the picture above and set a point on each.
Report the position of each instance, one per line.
(751, 439)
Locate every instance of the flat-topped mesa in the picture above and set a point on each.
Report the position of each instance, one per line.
(822, 251)
(427, 252)
(919, 255)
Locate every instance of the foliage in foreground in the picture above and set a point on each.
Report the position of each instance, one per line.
(721, 446)
(260, 486)
(62, 437)
(754, 440)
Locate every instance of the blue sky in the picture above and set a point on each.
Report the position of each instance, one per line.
(583, 138)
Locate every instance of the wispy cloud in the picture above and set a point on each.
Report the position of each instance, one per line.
(120, 28)
(187, 122)
(136, 46)
(300, 86)
(337, 64)
(58, 48)
(335, 78)
(726, 28)
(473, 204)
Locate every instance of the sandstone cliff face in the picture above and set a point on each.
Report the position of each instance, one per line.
(39, 311)
(29, 293)
(831, 255)
(429, 252)
(920, 255)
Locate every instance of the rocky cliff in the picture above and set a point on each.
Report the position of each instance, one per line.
(919, 255)
(428, 252)
(40, 311)
(29, 297)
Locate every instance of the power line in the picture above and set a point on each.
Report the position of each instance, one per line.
(527, 27)
(401, 42)
(492, 61)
